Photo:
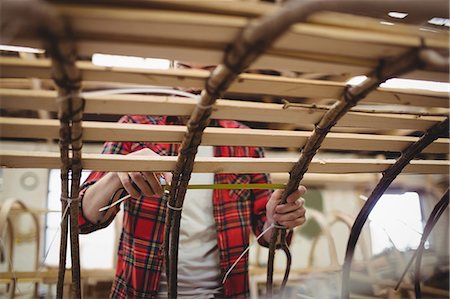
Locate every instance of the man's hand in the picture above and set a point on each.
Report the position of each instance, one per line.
(291, 214)
(144, 182)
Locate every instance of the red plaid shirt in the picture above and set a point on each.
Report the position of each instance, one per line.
(140, 254)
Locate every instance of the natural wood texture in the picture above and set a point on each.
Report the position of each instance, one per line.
(245, 84)
(224, 109)
(325, 231)
(435, 214)
(200, 22)
(104, 29)
(343, 49)
(388, 177)
(103, 131)
(18, 159)
(350, 97)
(336, 217)
(38, 19)
(251, 42)
(6, 215)
(255, 39)
(373, 23)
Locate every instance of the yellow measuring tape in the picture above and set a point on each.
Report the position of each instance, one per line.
(235, 186)
(210, 186)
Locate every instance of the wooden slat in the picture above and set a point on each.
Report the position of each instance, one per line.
(201, 24)
(101, 131)
(332, 49)
(246, 83)
(303, 62)
(336, 19)
(16, 159)
(207, 30)
(224, 109)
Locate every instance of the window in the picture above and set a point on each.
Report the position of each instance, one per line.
(96, 249)
(396, 221)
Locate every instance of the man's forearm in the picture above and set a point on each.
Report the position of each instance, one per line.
(98, 196)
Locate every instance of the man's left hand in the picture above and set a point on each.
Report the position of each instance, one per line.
(291, 214)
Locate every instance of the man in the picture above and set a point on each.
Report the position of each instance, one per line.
(215, 225)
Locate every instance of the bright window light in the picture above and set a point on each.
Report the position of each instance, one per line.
(356, 80)
(90, 255)
(396, 220)
(20, 49)
(129, 61)
(397, 15)
(439, 22)
(406, 84)
(416, 84)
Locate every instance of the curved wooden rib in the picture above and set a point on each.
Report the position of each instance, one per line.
(434, 217)
(435, 214)
(40, 19)
(388, 176)
(336, 216)
(349, 99)
(239, 57)
(253, 41)
(70, 113)
(5, 222)
(339, 216)
(348, 221)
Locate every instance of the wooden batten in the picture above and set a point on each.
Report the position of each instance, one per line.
(17, 159)
(224, 109)
(102, 131)
(245, 84)
(306, 47)
(373, 24)
(213, 28)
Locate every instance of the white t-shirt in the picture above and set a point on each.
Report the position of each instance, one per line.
(198, 256)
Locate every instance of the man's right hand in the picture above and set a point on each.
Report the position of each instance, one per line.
(145, 183)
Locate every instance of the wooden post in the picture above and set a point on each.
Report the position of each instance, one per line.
(40, 19)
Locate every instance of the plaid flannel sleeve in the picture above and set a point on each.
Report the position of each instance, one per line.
(118, 148)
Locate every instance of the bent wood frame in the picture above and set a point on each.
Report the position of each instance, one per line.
(435, 214)
(249, 45)
(254, 40)
(8, 207)
(388, 177)
(45, 23)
